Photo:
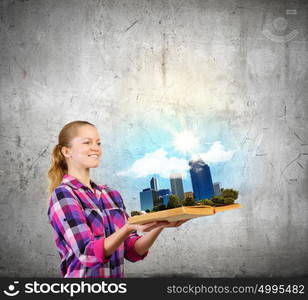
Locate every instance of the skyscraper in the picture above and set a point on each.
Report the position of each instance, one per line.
(201, 179)
(176, 183)
(154, 184)
(216, 187)
(164, 195)
(163, 192)
(165, 199)
(148, 199)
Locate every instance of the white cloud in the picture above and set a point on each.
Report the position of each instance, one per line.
(215, 154)
(156, 163)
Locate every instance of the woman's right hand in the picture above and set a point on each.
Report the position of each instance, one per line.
(146, 227)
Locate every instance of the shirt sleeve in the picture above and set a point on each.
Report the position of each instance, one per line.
(67, 218)
(129, 248)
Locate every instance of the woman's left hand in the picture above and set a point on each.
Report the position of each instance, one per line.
(174, 224)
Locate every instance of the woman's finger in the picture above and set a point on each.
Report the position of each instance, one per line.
(183, 221)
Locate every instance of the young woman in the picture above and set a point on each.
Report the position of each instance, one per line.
(89, 221)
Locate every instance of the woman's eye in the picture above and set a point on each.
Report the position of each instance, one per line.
(99, 144)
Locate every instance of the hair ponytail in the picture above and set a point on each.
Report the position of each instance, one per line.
(57, 168)
(58, 165)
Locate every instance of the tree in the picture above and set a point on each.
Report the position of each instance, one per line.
(189, 201)
(174, 202)
(228, 200)
(227, 196)
(162, 207)
(155, 208)
(207, 202)
(218, 199)
(229, 193)
(135, 213)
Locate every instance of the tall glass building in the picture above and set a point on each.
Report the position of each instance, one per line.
(201, 179)
(216, 186)
(165, 199)
(164, 195)
(148, 199)
(163, 192)
(176, 183)
(153, 183)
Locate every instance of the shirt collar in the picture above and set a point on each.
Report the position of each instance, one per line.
(76, 184)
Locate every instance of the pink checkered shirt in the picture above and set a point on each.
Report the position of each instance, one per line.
(81, 220)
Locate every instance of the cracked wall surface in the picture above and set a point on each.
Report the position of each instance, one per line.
(230, 70)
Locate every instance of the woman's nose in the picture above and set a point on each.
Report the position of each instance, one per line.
(96, 147)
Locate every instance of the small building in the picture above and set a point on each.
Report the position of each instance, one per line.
(216, 187)
(188, 195)
(148, 199)
(176, 183)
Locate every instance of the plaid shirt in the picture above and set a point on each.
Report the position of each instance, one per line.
(81, 221)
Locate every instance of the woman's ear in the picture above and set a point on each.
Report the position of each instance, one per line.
(66, 152)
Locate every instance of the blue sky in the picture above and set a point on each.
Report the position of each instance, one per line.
(154, 152)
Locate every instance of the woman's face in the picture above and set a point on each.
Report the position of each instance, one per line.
(85, 150)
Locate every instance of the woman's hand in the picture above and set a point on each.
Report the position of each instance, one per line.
(174, 224)
(155, 225)
(148, 226)
(145, 242)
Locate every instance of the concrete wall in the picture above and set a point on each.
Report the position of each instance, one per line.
(232, 70)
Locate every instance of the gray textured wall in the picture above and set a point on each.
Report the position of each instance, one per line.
(126, 64)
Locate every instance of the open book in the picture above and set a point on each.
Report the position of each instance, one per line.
(181, 213)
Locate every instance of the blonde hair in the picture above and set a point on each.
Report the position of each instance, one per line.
(58, 165)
